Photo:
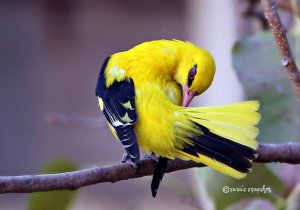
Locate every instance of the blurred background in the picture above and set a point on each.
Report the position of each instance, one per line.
(50, 55)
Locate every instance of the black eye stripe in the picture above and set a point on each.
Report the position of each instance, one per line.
(191, 75)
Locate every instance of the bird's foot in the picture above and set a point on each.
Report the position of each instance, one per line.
(126, 159)
(152, 156)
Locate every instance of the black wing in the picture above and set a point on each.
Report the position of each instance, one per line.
(120, 111)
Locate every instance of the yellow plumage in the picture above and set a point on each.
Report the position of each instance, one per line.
(235, 122)
(161, 70)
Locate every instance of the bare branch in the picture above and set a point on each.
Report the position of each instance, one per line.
(283, 153)
(72, 121)
(288, 153)
(287, 58)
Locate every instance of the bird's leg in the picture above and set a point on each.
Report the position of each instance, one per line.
(126, 159)
(152, 156)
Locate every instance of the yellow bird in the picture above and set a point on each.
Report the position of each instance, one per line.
(144, 93)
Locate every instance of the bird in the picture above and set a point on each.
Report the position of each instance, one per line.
(144, 93)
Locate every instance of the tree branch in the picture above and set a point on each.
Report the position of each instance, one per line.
(287, 153)
(287, 58)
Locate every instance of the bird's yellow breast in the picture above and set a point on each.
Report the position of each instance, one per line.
(155, 108)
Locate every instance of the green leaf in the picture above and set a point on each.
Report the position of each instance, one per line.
(54, 200)
(224, 190)
(262, 74)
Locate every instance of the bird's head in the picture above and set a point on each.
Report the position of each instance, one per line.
(195, 72)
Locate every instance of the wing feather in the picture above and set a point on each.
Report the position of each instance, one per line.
(119, 108)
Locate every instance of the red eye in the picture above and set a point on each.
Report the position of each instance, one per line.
(193, 72)
(191, 76)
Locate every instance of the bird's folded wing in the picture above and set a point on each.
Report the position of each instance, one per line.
(118, 104)
(120, 111)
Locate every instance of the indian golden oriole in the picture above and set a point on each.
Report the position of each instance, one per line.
(144, 93)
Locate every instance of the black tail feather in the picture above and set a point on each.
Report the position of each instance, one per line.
(224, 150)
(158, 174)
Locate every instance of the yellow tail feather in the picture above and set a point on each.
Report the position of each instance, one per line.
(221, 137)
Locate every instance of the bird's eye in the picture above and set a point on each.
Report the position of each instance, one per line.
(192, 74)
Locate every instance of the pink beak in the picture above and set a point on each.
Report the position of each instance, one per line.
(187, 96)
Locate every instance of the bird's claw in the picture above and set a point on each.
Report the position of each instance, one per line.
(126, 159)
(152, 156)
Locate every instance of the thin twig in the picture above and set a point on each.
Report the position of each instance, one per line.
(72, 121)
(288, 153)
(287, 58)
